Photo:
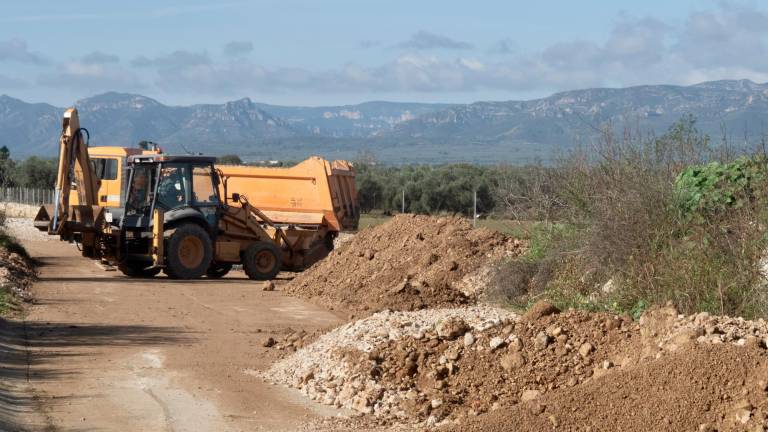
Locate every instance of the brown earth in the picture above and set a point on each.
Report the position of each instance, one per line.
(99, 351)
(701, 387)
(410, 262)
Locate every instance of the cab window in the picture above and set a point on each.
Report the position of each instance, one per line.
(172, 191)
(203, 189)
(105, 168)
(140, 192)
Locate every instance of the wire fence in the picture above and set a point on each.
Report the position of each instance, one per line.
(26, 195)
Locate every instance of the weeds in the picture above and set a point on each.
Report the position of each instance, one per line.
(663, 219)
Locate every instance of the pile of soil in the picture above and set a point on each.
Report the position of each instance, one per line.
(540, 370)
(411, 262)
(16, 275)
(701, 387)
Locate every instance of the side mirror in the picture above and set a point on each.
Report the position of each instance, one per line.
(236, 197)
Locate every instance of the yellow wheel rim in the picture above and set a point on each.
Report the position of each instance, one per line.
(190, 252)
(265, 261)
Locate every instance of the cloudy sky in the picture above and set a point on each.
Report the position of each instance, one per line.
(322, 52)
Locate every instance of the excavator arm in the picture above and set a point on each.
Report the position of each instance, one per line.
(74, 169)
(81, 222)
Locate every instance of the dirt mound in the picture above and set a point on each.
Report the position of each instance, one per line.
(16, 275)
(701, 387)
(448, 369)
(409, 263)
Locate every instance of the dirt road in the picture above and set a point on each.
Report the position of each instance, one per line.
(105, 352)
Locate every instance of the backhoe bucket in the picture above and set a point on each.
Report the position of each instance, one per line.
(80, 219)
(44, 218)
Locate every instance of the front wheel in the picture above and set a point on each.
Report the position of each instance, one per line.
(262, 261)
(188, 252)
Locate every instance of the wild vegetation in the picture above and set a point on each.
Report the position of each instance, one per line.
(641, 221)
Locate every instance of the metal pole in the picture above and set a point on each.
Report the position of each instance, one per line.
(474, 208)
(403, 210)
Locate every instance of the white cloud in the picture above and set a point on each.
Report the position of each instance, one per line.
(98, 57)
(423, 40)
(176, 59)
(236, 48)
(92, 77)
(17, 50)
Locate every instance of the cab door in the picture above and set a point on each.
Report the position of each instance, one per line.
(108, 170)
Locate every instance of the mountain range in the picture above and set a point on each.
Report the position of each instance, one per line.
(393, 132)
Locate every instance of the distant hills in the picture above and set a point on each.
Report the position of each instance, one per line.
(512, 131)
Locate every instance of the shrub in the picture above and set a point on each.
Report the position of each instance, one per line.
(707, 190)
(664, 219)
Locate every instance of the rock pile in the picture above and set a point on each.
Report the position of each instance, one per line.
(454, 365)
(346, 367)
(409, 263)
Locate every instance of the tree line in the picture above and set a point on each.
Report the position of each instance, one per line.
(424, 189)
(33, 172)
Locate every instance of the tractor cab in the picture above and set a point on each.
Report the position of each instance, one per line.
(182, 187)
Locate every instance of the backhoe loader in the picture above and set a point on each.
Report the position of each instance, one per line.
(180, 216)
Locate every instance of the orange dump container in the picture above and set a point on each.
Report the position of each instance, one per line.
(315, 192)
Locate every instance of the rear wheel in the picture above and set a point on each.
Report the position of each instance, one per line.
(188, 252)
(218, 270)
(262, 261)
(138, 270)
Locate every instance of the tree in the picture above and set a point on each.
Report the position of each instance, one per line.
(7, 167)
(229, 159)
(37, 172)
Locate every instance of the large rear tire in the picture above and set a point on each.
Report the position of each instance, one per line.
(262, 261)
(138, 270)
(218, 270)
(188, 252)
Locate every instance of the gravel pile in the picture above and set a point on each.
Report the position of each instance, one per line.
(408, 263)
(22, 229)
(328, 370)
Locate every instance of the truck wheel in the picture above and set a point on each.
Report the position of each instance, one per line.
(188, 252)
(218, 270)
(137, 270)
(262, 261)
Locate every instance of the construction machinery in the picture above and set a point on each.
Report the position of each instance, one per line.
(187, 217)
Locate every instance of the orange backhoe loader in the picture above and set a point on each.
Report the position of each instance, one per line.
(187, 217)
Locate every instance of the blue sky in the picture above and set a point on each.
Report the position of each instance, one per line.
(326, 52)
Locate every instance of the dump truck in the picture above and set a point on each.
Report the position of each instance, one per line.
(185, 216)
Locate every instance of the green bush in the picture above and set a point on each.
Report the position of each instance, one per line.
(714, 188)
